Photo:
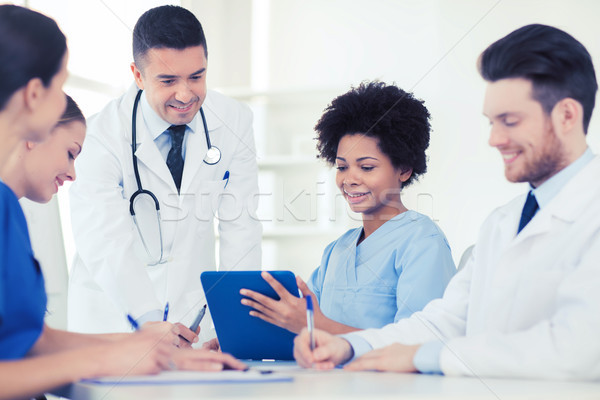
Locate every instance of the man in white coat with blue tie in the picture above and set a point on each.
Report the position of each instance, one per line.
(527, 303)
(193, 150)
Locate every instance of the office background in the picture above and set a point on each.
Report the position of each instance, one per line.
(288, 59)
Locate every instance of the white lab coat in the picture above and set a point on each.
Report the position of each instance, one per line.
(526, 305)
(109, 277)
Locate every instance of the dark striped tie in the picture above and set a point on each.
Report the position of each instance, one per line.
(529, 209)
(175, 158)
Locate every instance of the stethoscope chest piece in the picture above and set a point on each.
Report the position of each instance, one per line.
(213, 155)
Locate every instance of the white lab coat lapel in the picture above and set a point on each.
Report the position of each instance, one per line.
(148, 154)
(196, 146)
(540, 224)
(195, 150)
(564, 206)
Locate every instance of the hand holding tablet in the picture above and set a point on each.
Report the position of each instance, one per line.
(239, 333)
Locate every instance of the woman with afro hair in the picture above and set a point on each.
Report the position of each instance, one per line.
(376, 136)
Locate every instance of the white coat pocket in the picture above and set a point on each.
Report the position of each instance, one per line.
(207, 200)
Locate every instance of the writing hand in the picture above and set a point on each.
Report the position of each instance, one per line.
(175, 333)
(212, 344)
(330, 350)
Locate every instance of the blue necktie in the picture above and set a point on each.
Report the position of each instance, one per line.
(175, 158)
(529, 209)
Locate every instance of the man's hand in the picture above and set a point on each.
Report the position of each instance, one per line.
(329, 351)
(396, 358)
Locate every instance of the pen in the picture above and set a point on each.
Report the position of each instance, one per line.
(310, 321)
(226, 178)
(133, 322)
(196, 322)
(198, 319)
(166, 314)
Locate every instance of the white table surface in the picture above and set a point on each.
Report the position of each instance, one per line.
(339, 384)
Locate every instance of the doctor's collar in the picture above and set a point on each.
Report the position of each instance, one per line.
(545, 192)
(156, 125)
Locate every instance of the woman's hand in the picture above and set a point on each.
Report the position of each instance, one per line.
(212, 344)
(289, 312)
(205, 360)
(187, 336)
(177, 334)
(147, 351)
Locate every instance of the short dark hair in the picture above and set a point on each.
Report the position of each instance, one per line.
(72, 113)
(387, 113)
(557, 65)
(31, 46)
(171, 27)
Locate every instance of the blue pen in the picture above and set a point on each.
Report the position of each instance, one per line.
(166, 314)
(133, 322)
(226, 178)
(310, 321)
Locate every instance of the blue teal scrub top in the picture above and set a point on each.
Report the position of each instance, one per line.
(22, 292)
(391, 274)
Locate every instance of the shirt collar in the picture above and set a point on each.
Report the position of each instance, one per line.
(547, 190)
(156, 125)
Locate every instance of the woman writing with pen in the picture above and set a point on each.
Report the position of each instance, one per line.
(36, 156)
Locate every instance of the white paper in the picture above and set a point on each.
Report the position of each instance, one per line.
(193, 377)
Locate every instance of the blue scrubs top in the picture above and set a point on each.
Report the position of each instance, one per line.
(22, 292)
(394, 272)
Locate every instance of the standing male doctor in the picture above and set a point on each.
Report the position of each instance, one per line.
(131, 258)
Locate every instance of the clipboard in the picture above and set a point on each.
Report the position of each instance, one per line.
(244, 336)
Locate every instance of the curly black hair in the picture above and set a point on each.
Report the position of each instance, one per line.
(398, 120)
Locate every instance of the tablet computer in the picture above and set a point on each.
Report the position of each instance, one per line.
(240, 334)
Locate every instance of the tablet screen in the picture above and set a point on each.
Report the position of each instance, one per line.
(240, 334)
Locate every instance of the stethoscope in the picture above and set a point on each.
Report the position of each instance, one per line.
(212, 157)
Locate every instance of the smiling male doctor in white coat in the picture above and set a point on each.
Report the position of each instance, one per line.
(121, 267)
(527, 304)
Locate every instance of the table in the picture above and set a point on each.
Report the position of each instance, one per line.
(339, 384)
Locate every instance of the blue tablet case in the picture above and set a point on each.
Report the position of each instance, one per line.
(244, 336)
